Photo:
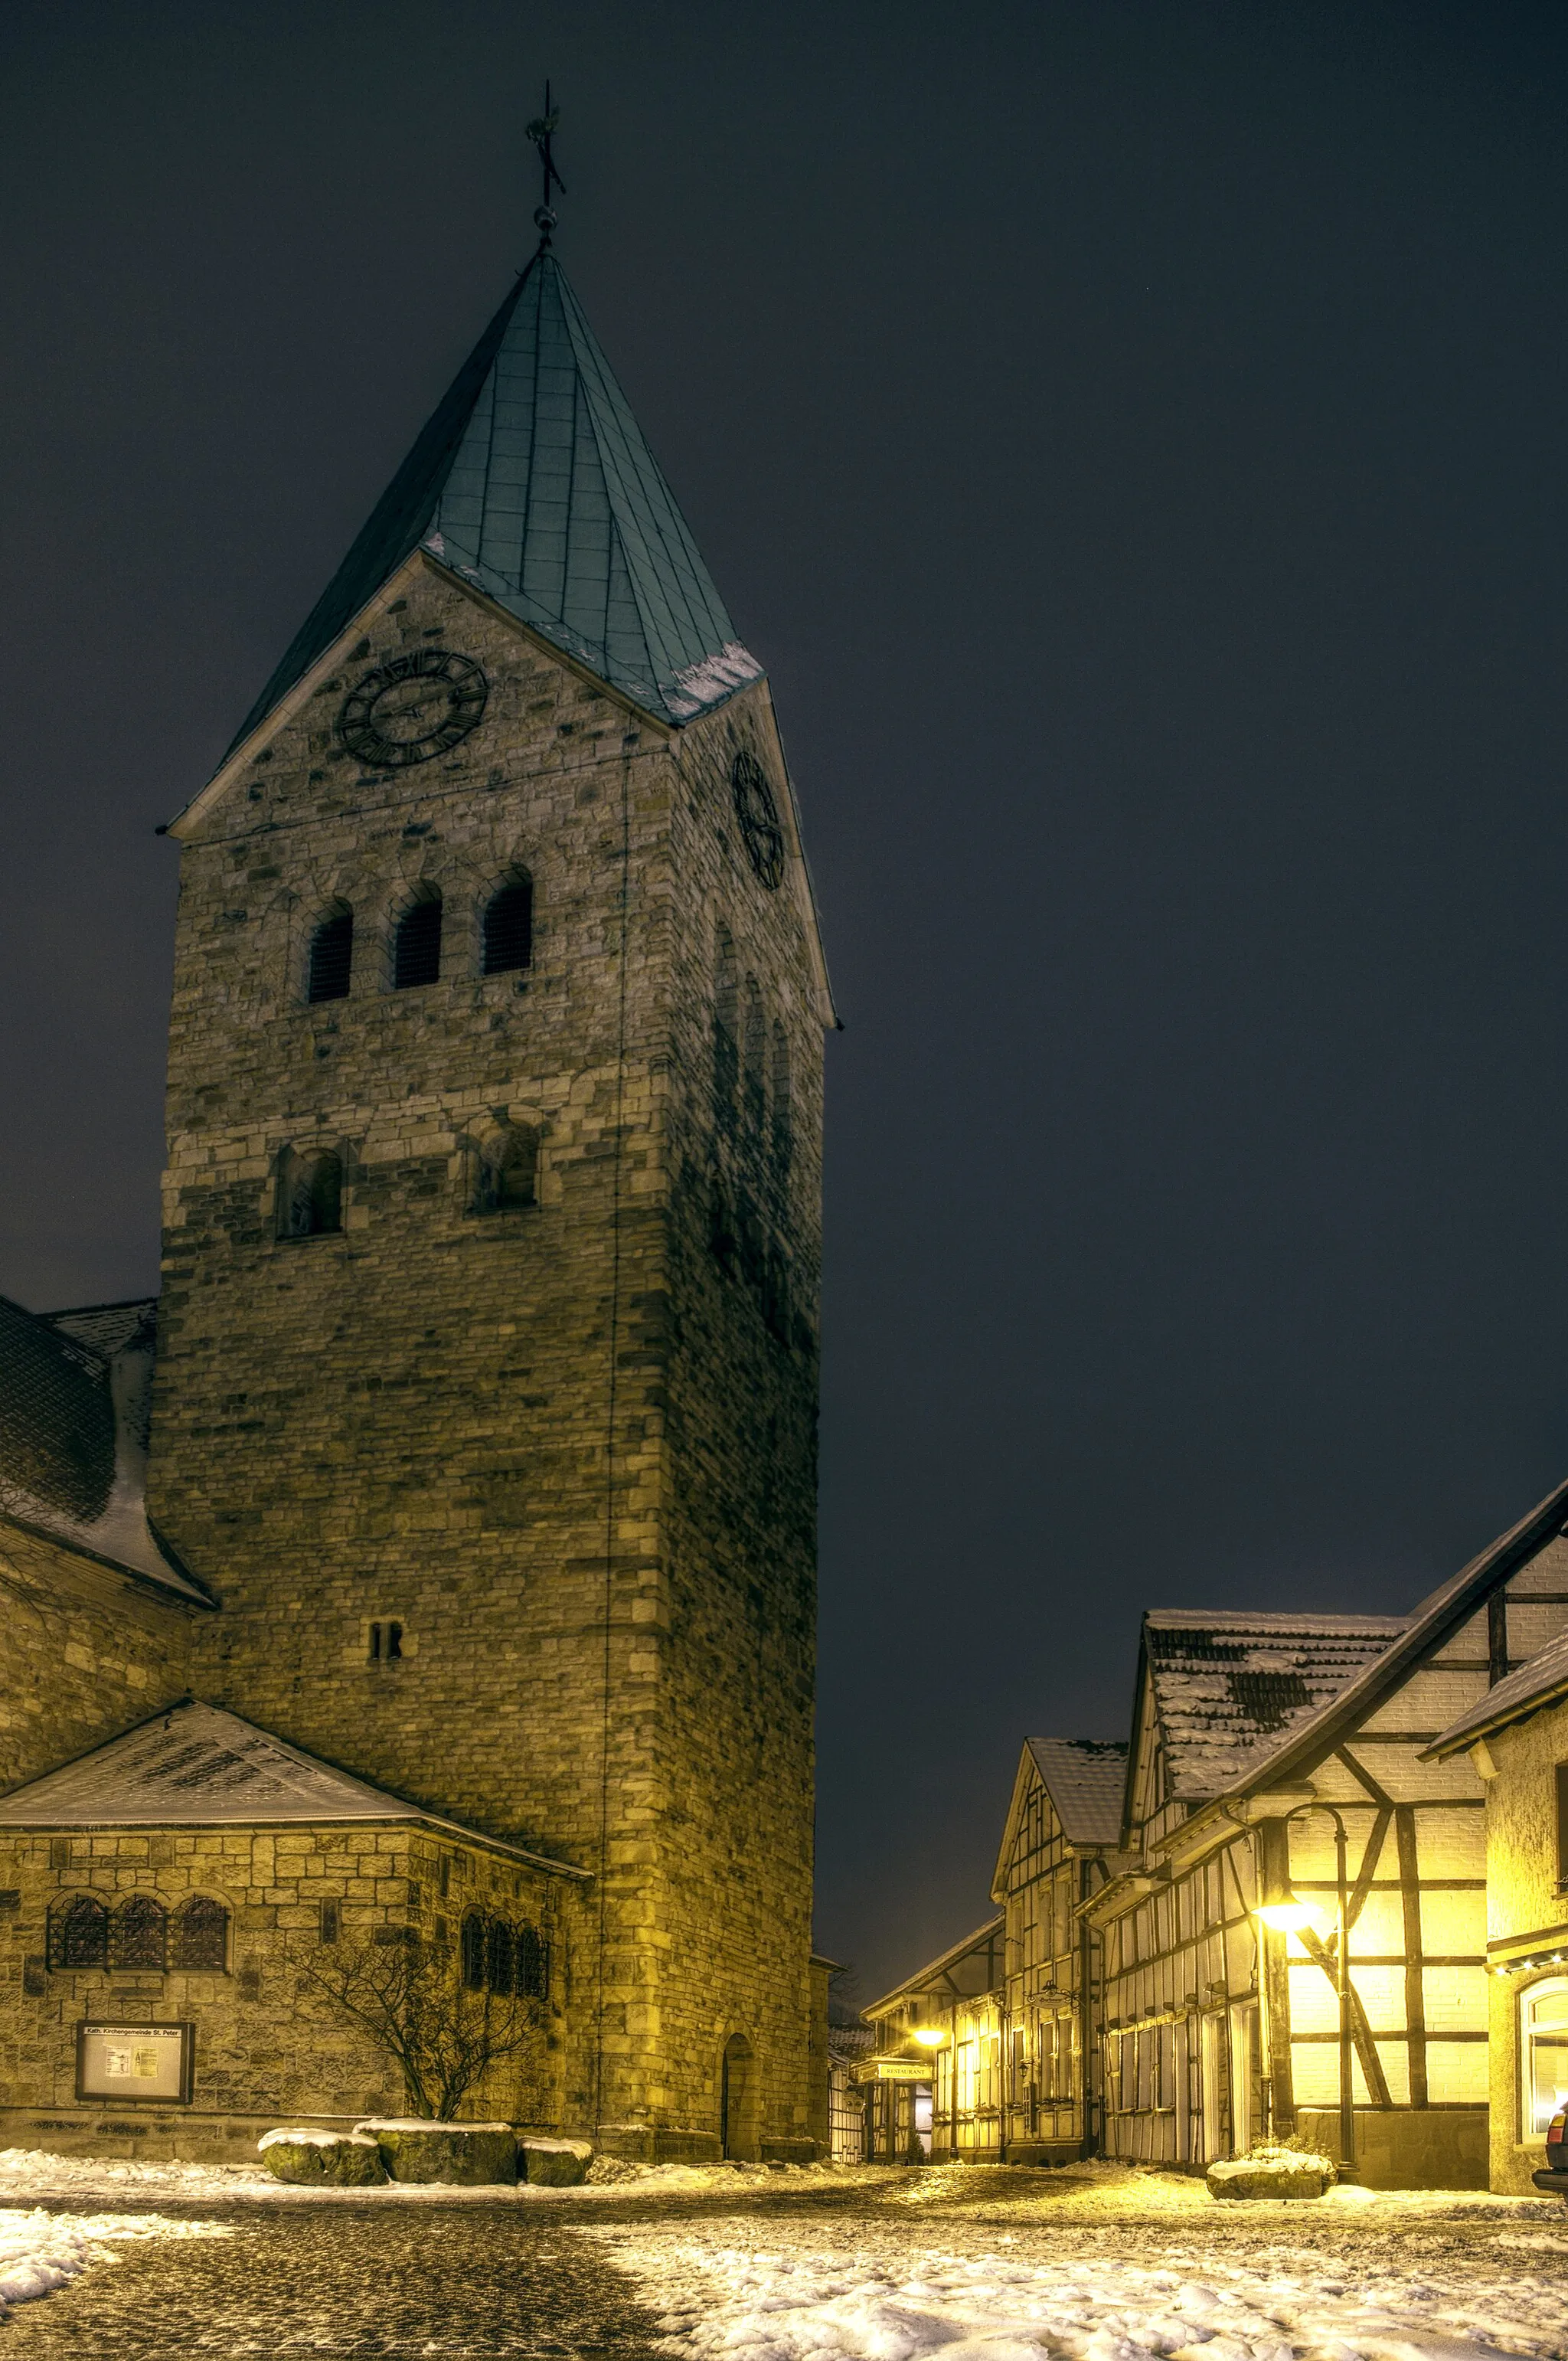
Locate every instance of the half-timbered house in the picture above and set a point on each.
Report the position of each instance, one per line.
(1063, 1824)
(933, 2082)
(1256, 1740)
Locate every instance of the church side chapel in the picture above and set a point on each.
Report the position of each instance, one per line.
(432, 1564)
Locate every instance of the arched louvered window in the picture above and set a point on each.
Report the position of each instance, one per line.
(726, 1027)
(783, 1138)
(310, 1192)
(332, 956)
(79, 1933)
(472, 1950)
(139, 1935)
(416, 948)
(500, 1957)
(506, 1168)
(532, 1964)
(509, 926)
(756, 1055)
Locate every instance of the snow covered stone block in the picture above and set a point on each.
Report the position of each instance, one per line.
(465, 2155)
(332, 2159)
(1283, 2172)
(554, 2163)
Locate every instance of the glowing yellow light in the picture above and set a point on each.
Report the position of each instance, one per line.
(930, 2036)
(1289, 1917)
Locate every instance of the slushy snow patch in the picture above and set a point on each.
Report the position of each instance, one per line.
(315, 2139)
(40, 2252)
(719, 2303)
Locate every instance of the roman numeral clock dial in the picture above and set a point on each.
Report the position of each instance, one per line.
(412, 708)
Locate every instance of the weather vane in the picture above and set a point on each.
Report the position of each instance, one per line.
(540, 131)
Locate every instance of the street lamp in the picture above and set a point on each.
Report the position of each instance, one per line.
(1292, 1916)
(929, 2037)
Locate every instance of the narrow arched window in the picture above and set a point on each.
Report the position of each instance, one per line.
(756, 1055)
(139, 1935)
(310, 1192)
(79, 1933)
(506, 1171)
(509, 926)
(532, 1964)
(416, 948)
(726, 1027)
(721, 1222)
(500, 1957)
(332, 956)
(472, 1950)
(201, 1935)
(783, 1113)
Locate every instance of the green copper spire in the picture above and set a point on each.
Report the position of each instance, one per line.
(532, 481)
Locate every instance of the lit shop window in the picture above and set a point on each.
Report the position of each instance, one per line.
(1543, 2043)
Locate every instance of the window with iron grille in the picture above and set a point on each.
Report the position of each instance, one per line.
(500, 1956)
(79, 1933)
(139, 1935)
(532, 1964)
(201, 1935)
(416, 948)
(473, 1951)
(332, 956)
(508, 927)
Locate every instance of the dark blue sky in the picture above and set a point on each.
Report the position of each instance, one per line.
(1132, 435)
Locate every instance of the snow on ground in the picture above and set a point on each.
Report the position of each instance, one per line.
(26, 2173)
(748, 2304)
(1111, 2265)
(40, 2251)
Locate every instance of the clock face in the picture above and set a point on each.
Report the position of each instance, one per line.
(758, 817)
(412, 708)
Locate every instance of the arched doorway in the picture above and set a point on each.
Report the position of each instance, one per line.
(738, 2099)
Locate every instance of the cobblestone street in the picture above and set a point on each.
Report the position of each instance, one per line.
(448, 2279)
(345, 2281)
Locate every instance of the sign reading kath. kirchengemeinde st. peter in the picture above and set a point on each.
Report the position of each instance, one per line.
(134, 2061)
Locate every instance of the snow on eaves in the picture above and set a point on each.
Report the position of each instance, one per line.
(1231, 1688)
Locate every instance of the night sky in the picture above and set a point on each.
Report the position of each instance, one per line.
(1132, 436)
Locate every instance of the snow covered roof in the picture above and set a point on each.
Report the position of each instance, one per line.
(1084, 1778)
(75, 1390)
(947, 1970)
(1541, 1682)
(1436, 1621)
(196, 1765)
(531, 481)
(1229, 1686)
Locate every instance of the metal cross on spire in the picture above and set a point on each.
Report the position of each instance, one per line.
(540, 131)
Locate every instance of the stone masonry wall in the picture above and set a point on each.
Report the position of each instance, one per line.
(268, 2046)
(88, 1653)
(465, 1422)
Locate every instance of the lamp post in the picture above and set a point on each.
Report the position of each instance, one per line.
(1291, 1915)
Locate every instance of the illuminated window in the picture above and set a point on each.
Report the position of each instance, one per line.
(1543, 2053)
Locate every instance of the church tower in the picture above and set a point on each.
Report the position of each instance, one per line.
(485, 1391)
